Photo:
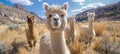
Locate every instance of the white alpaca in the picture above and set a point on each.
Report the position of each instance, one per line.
(56, 23)
(87, 31)
(71, 31)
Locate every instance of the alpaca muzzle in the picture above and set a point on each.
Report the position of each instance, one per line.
(56, 23)
(56, 20)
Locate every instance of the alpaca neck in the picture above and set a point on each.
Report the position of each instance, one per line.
(58, 42)
(30, 28)
(91, 26)
(72, 27)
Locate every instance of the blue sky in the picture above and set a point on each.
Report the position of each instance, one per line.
(75, 6)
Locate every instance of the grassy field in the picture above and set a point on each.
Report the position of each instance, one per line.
(15, 39)
(107, 41)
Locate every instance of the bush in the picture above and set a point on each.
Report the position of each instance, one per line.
(13, 27)
(104, 45)
(4, 48)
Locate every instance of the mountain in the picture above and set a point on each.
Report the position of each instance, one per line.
(36, 16)
(109, 12)
(19, 6)
(16, 13)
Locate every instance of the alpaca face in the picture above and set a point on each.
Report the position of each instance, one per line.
(30, 19)
(56, 16)
(72, 19)
(55, 20)
(91, 15)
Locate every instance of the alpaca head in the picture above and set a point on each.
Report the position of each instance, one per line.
(72, 19)
(56, 17)
(30, 19)
(91, 15)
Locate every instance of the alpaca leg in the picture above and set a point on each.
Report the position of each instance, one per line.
(68, 41)
(86, 45)
(89, 42)
(30, 44)
(73, 39)
(34, 43)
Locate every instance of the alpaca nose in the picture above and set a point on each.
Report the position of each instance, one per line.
(56, 19)
(29, 21)
(91, 16)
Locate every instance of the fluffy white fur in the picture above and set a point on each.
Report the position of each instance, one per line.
(56, 23)
(87, 31)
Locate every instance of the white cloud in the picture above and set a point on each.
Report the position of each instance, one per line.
(23, 2)
(39, 0)
(81, 2)
(43, 17)
(87, 7)
(78, 0)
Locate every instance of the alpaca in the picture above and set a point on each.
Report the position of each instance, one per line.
(31, 32)
(71, 31)
(87, 31)
(56, 22)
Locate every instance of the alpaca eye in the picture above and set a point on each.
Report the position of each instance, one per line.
(62, 15)
(50, 16)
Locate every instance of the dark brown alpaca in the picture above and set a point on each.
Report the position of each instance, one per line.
(31, 32)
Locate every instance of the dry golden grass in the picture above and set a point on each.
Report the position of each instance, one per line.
(99, 28)
(17, 38)
(76, 47)
(109, 32)
(23, 51)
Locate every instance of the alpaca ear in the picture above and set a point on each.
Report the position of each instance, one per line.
(33, 16)
(73, 17)
(27, 16)
(65, 6)
(93, 13)
(46, 6)
(88, 13)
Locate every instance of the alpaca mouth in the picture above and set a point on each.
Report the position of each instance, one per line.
(56, 24)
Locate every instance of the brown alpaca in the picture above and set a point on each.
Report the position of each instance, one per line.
(31, 32)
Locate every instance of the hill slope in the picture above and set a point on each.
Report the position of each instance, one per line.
(105, 13)
(15, 14)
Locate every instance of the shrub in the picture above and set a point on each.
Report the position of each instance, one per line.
(14, 26)
(4, 48)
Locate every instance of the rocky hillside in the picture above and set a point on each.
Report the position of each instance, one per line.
(105, 13)
(16, 13)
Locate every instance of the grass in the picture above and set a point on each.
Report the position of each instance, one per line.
(76, 47)
(17, 39)
(108, 39)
